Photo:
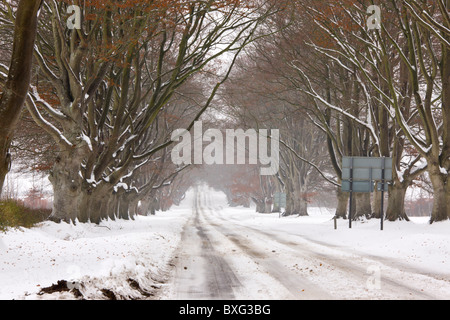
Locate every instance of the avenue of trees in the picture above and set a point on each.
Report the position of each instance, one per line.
(95, 107)
(337, 87)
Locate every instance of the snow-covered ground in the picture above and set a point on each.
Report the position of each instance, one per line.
(102, 257)
(416, 243)
(267, 257)
(108, 256)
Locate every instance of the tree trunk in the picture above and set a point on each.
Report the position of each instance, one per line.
(447, 193)
(268, 206)
(446, 115)
(74, 199)
(144, 208)
(290, 204)
(441, 202)
(113, 207)
(396, 203)
(342, 205)
(148, 206)
(260, 206)
(376, 204)
(445, 65)
(98, 201)
(67, 185)
(18, 81)
(296, 205)
(156, 206)
(123, 208)
(303, 207)
(127, 207)
(153, 208)
(133, 204)
(5, 162)
(363, 206)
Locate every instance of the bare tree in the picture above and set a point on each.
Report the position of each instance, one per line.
(16, 85)
(113, 78)
(417, 100)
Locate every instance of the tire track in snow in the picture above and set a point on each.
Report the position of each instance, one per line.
(352, 268)
(299, 287)
(357, 267)
(201, 273)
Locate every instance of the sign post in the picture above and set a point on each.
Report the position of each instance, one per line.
(359, 175)
(350, 218)
(382, 195)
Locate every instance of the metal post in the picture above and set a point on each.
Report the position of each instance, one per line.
(351, 195)
(382, 192)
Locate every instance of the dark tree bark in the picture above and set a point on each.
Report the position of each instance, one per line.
(18, 81)
(341, 209)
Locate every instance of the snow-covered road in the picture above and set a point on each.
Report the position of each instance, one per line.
(225, 258)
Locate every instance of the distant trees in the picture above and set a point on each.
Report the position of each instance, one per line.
(403, 67)
(262, 95)
(371, 92)
(257, 98)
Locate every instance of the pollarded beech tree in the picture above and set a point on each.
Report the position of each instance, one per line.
(115, 75)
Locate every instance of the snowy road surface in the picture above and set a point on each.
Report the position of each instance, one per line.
(225, 258)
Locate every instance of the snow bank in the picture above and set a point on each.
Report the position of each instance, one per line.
(105, 256)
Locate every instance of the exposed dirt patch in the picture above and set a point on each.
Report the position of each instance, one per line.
(136, 286)
(79, 291)
(109, 295)
(62, 286)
